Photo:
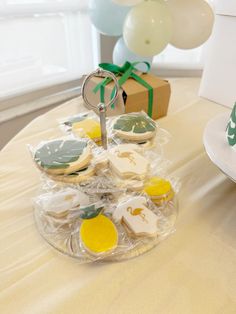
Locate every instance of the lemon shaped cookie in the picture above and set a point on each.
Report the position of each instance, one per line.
(62, 156)
(98, 235)
(134, 127)
(89, 127)
(159, 190)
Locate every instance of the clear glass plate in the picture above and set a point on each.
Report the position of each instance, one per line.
(64, 235)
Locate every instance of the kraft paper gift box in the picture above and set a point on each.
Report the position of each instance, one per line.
(133, 97)
(219, 76)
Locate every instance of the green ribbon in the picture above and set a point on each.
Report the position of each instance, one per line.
(125, 72)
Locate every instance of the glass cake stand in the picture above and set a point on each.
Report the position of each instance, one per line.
(64, 235)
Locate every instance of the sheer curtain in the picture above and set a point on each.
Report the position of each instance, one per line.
(43, 43)
(177, 62)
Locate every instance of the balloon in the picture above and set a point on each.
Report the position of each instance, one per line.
(107, 16)
(127, 2)
(121, 54)
(192, 22)
(148, 28)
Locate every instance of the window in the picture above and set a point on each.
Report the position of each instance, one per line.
(43, 43)
(177, 62)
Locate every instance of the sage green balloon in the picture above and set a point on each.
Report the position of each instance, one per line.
(148, 28)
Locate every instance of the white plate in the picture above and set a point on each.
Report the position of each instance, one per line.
(217, 147)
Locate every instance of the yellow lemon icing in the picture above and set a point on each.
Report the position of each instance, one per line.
(99, 234)
(90, 127)
(157, 187)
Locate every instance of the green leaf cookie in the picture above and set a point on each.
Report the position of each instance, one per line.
(135, 123)
(90, 212)
(59, 153)
(231, 128)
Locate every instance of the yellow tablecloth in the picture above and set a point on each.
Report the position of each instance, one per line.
(193, 271)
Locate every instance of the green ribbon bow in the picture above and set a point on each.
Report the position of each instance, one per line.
(125, 72)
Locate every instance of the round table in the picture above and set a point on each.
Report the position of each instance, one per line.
(193, 271)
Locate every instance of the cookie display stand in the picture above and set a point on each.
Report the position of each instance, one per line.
(101, 217)
(101, 107)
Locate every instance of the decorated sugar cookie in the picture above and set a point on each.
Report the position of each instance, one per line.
(63, 156)
(231, 129)
(98, 235)
(89, 127)
(61, 203)
(75, 177)
(140, 220)
(127, 163)
(84, 125)
(159, 190)
(134, 127)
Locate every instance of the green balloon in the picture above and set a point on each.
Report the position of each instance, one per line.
(148, 28)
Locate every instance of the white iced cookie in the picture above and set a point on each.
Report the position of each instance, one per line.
(59, 204)
(127, 163)
(134, 214)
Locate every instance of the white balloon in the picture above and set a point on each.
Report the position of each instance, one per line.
(192, 22)
(127, 2)
(121, 54)
(107, 16)
(148, 28)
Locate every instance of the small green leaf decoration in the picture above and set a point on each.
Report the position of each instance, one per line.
(231, 128)
(90, 212)
(75, 119)
(135, 123)
(59, 153)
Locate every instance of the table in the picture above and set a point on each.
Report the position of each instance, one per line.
(193, 271)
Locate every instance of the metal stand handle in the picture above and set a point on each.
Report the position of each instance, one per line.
(101, 106)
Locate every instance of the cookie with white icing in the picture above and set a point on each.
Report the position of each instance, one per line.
(134, 214)
(134, 127)
(60, 204)
(62, 156)
(125, 162)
